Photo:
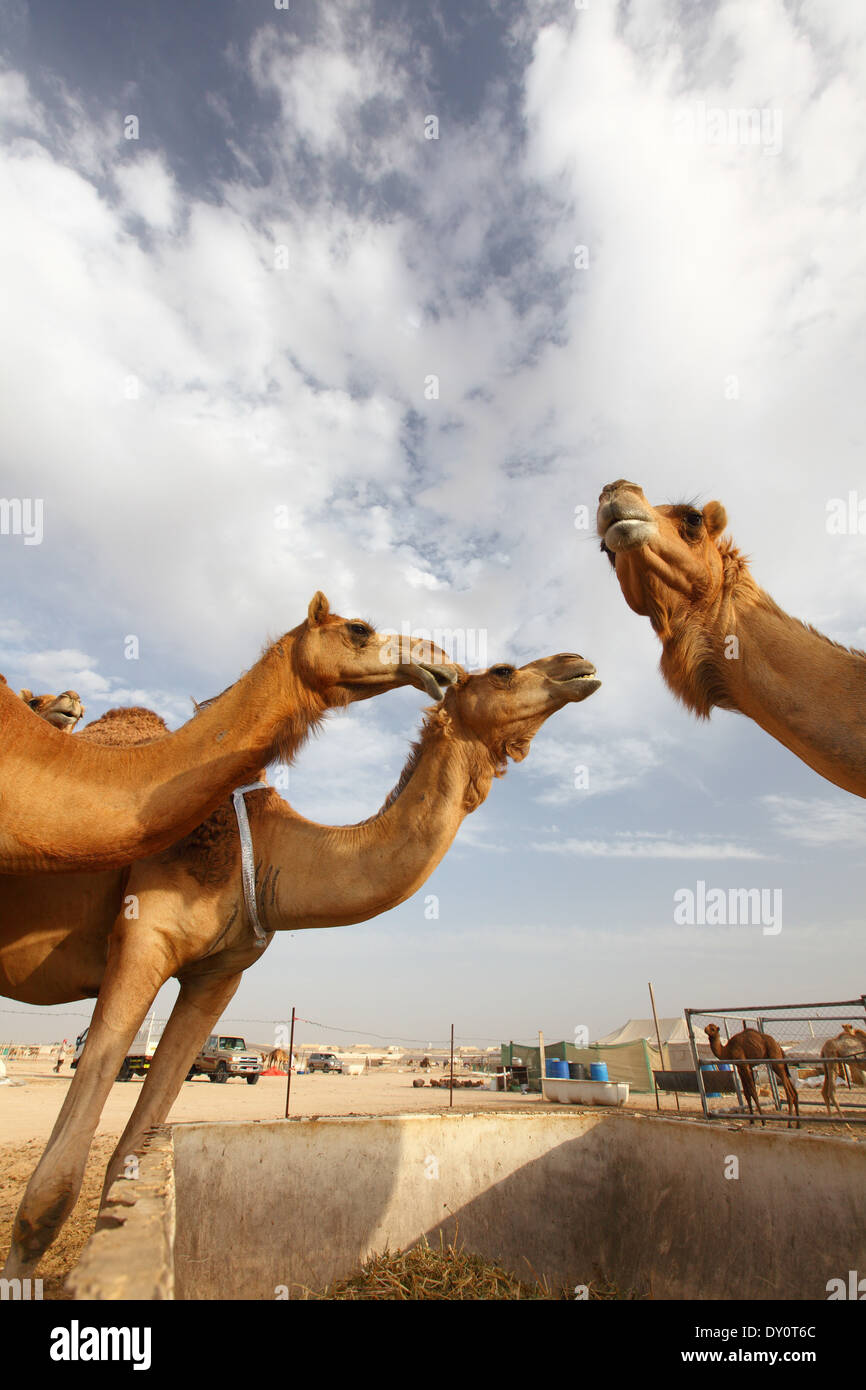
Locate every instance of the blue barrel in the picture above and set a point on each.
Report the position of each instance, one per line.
(711, 1066)
(555, 1069)
(577, 1071)
(598, 1071)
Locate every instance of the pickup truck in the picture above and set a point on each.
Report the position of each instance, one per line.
(140, 1055)
(223, 1057)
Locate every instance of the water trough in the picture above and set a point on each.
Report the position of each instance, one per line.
(267, 1210)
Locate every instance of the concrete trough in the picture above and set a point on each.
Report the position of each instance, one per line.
(269, 1210)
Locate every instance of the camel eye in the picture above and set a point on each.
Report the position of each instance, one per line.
(503, 671)
(695, 518)
(360, 630)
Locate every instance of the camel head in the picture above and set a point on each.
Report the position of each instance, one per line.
(505, 706)
(63, 711)
(712, 1032)
(347, 660)
(668, 559)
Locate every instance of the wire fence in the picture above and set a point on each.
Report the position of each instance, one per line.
(817, 1040)
(230, 1021)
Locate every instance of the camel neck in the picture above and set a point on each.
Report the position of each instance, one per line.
(169, 785)
(336, 875)
(805, 691)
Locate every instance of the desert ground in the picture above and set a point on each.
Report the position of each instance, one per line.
(29, 1108)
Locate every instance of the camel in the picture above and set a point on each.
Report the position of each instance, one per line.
(71, 937)
(751, 1043)
(851, 1042)
(69, 806)
(725, 643)
(62, 711)
(278, 1058)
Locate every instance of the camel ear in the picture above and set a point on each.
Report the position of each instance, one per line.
(26, 696)
(318, 610)
(715, 519)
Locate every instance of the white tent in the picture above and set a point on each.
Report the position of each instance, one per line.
(674, 1036)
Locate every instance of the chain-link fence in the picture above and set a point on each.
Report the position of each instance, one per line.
(822, 1046)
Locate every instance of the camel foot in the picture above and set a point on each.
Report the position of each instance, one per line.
(17, 1265)
(32, 1235)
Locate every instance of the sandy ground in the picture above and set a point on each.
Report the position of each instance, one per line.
(28, 1111)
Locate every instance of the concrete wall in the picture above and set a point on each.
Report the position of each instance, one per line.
(131, 1253)
(639, 1200)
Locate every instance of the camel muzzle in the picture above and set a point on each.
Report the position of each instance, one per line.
(433, 680)
(625, 519)
(580, 687)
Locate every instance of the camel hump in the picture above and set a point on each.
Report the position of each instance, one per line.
(124, 728)
(211, 853)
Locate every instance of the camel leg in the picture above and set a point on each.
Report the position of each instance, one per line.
(791, 1096)
(748, 1078)
(138, 964)
(828, 1090)
(197, 1008)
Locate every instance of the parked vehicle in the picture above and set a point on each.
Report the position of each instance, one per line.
(138, 1058)
(324, 1061)
(223, 1057)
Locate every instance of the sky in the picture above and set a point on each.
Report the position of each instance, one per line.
(374, 299)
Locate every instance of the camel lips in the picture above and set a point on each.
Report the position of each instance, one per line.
(621, 531)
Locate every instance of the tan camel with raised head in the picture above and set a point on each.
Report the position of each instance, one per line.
(71, 806)
(74, 937)
(61, 711)
(725, 642)
(752, 1043)
(850, 1043)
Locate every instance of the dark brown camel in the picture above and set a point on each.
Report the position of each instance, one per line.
(750, 1043)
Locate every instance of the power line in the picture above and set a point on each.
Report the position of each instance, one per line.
(273, 1022)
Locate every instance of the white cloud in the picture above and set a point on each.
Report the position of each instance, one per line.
(819, 822)
(17, 108)
(148, 190)
(49, 672)
(648, 845)
(572, 769)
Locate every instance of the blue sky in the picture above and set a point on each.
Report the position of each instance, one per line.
(236, 316)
